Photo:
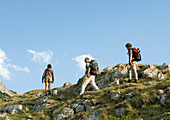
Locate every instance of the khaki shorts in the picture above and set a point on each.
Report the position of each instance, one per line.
(134, 67)
(48, 79)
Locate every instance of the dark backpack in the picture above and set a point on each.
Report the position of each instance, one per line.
(94, 67)
(136, 54)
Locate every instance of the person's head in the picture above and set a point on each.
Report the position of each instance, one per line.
(128, 46)
(87, 60)
(49, 66)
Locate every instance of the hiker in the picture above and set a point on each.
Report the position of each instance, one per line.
(90, 74)
(49, 78)
(134, 57)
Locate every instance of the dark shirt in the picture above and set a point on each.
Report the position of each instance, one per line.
(48, 73)
(87, 65)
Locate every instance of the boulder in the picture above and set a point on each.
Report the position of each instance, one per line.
(116, 82)
(115, 95)
(128, 96)
(66, 88)
(94, 116)
(55, 93)
(14, 109)
(162, 100)
(161, 76)
(160, 92)
(65, 114)
(151, 72)
(3, 115)
(120, 111)
(67, 84)
(74, 106)
(40, 106)
(165, 67)
(120, 71)
(108, 68)
(41, 103)
(88, 105)
(150, 66)
(5, 91)
(80, 108)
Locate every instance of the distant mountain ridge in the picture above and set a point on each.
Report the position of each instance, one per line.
(4, 92)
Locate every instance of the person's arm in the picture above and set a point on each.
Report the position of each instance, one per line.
(43, 76)
(130, 59)
(53, 75)
(88, 72)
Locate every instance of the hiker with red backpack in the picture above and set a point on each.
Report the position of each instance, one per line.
(90, 75)
(134, 58)
(49, 78)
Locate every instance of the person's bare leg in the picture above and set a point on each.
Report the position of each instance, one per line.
(46, 84)
(130, 75)
(49, 87)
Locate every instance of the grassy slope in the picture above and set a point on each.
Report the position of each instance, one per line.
(143, 104)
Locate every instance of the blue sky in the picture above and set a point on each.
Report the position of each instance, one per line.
(34, 33)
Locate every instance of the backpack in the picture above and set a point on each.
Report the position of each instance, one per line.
(94, 67)
(136, 54)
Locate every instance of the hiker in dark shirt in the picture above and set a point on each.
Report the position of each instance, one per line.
(133, 63)
(49, 78)
(89, 77)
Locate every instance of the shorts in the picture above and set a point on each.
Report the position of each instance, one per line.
(48, 79)
(133, 67)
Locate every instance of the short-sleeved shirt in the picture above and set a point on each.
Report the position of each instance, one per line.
(130, 51)
(87, 65)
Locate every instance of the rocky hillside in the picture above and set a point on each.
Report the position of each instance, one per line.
(117, 100)
(4, 92)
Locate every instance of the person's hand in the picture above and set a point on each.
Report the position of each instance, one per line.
(131, 63)
(88, 76)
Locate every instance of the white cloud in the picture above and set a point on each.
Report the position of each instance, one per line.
(41, 57)
(4, 71)
(18, 68)
(80, 61)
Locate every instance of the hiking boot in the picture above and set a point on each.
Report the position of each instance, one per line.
(129, 80)
(136, 81)
(45, 94)
(49, 92)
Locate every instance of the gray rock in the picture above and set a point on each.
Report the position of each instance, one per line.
(65, 114)
(161, 76)
(162, 100)
(150, 73)
(66, 88)
(61, 97)
(41, 103)
(75, 105)
(150, 66)
(5, 91)
(40, 106)
(94, 116)
(120, 111)
(6, 118)
(116, 82)
(88, 105)
(80, 108)
(128, 96)
(165, 67)
(14, 109)
(115, 95)
(55, 93)
(3, 115)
